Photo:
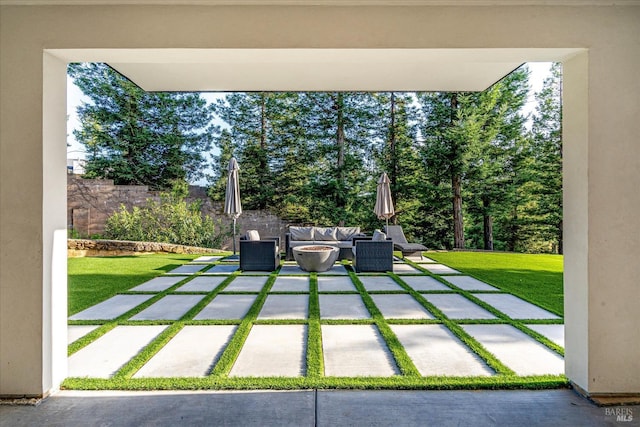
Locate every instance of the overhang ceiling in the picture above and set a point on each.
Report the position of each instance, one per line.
(204, 70)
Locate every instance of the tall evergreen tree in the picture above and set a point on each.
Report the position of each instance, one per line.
(446, 138)
(250, 121)
(338, 126)
(489, 176)
(546, 153)
(138, 137)
(399, 156)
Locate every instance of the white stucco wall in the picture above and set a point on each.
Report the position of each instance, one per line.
(602, 148)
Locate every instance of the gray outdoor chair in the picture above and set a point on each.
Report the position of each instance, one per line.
(259, 255)
(400, 242)
(372, 255)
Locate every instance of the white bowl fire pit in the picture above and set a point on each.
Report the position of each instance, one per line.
(315, 257)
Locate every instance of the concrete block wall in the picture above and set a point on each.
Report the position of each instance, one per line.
(91, 201)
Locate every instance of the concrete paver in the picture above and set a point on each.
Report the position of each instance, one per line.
(455, 306)
(379, 283)
(285, 307)
(356, 351)
(342, 307)
(246, 284)
(335, 284)
(435, 350)
(291, 284)
(418, 259)
(423, 260)
(440, 269)
(222, 269)
(227, 307)
(75, 332)
(207, 259)
(517, 350)
(191, 353)
(337, 269)
(187, 269)
(401, 268)
(201, 284)
(470, 284)
(400, 306)
(114, 307)
(292, 268)
(289, 269)
(158, 284)
(103, 357)
(170, 307)
(272, 350)
(554, 333)
(515, 307)
(425, 283)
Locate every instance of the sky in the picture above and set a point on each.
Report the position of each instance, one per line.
(75, 150)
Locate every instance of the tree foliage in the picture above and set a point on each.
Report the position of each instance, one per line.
(464, 170)
(138, 137)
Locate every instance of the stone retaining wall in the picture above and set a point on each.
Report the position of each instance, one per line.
(86, 247)
(91, 201)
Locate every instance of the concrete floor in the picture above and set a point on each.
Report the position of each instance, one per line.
(318, 408)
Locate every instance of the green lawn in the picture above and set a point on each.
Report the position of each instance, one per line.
(536, 278)
(94, 279)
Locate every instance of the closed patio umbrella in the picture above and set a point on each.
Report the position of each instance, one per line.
(384, 204)
(232, 205)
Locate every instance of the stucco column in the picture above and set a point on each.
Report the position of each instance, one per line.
(602, 220)
(33, 277)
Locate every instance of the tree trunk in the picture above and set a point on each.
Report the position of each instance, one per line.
(458, 223)
(456, 185)
(392, 150)
(513, 231)
(262, 160)
(488, 224)
(340, 140)
(263, 121)
(560, 238)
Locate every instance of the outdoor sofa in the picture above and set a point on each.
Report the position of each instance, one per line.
(259, 254)
(340, 237)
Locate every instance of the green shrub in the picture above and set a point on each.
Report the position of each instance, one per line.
(171, 220)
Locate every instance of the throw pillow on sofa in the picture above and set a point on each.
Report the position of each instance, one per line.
(378, 236)
(301, 233)
(253, 235)
(346, 233)
(324, 234)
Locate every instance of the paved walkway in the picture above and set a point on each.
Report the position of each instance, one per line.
(553, 408)
(211, 299)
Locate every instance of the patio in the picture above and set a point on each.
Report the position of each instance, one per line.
(206, 324)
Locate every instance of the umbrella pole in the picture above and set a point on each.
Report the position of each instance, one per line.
(234, 235)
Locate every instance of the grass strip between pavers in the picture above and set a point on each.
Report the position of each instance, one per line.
(490, 359)
(402, 359)
(502, 317)
(315, 355)
(230, 354)
(398, 382)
